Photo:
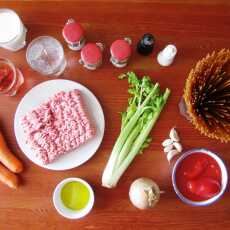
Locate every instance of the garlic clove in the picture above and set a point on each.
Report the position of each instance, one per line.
(167, 142)
(168, 148)
(174, 135)
(178, 146)
(171, 154)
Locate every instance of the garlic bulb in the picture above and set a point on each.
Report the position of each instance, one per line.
(144, 193)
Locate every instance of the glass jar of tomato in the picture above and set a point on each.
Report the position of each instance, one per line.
(11, 78)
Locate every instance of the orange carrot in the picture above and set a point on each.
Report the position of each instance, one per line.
(8, 178)
(7, 157)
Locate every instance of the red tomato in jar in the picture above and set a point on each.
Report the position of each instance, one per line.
(196, 169)
(204, 187)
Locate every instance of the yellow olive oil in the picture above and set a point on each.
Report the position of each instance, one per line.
(75, 195)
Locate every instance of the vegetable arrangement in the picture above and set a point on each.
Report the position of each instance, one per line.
(144, 107)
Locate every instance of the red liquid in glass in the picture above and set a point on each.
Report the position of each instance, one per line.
(198, 177)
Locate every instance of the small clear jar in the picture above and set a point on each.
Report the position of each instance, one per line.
(11, 78)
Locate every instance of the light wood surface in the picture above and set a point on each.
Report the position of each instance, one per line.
(195, 28)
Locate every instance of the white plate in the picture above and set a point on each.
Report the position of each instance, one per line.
(41, 93)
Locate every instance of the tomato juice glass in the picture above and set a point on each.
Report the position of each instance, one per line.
(11, 78)
(217, 165)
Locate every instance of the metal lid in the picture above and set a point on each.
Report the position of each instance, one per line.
(120, 49)
(72, 31)
(91, 54)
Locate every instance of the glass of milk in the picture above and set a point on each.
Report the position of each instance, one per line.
(45, 55)
(12, 30)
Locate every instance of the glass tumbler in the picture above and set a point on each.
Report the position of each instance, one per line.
(45, 55)
(11, 77)
(12, 30)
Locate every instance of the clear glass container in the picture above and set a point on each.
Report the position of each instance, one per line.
(12, 32)
(45, 55)
(11, 78)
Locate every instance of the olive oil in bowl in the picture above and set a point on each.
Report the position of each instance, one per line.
(73, 198)
(75, 195)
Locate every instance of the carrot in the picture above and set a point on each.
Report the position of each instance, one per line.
(8, 178)
(7, 157)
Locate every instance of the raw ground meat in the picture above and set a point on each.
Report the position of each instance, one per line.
(58, 126)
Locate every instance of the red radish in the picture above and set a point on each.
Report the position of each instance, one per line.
(204, 187)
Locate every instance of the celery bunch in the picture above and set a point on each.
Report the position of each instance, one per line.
(144, 107)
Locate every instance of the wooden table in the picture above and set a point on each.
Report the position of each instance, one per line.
(196, 29)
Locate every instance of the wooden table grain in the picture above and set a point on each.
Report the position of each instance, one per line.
(195, 27)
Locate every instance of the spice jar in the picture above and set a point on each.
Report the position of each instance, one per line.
(91, 55)
(167, 55)
(120, 52)
(73, 34)
(146, 44)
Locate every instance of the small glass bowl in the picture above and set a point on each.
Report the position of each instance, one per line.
(224, 175)
(17, 80)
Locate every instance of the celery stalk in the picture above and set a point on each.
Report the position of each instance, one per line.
(128, 144)
(125, 132)
(137, 145)
(144, 108)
